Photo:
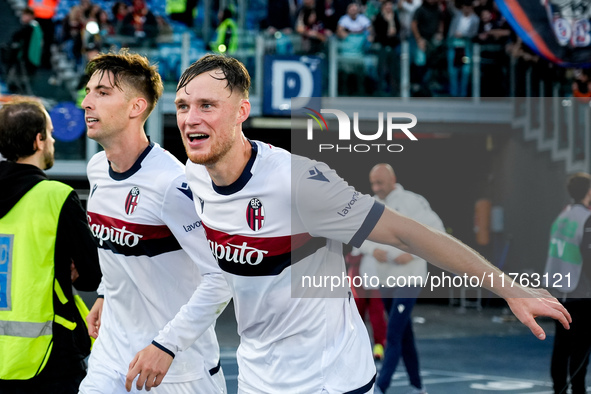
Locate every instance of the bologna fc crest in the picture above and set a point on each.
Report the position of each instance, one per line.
(255, 214)
(133, 198)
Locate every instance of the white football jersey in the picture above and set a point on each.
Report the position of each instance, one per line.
(261, 234)
(153, 255)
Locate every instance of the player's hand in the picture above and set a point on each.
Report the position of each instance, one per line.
(151, 364)
(73, 272)
(538, 303)
(422, 44)
(404, 258)
(94, 318)
(380, 255)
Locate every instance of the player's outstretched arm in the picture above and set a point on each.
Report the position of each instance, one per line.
(151, 364)
(450, 254)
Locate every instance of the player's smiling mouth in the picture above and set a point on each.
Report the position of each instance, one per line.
(197, 137)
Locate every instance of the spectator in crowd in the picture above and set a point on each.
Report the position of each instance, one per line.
(141, 24)
(311, 28)
(71, 34)
(371, 8)
(353, 22)
(427, 29)
(406, 11)
(22, 56)
(464, 27)
(85, 6)
(44, 12)
(105, 25)
(92, 12)
(119, 11)
(226, 39)
(480, 5)
(355, 32)
(493, 33)
(386, 28)
(581, 85)
(529, 63)
(280, 16)
(492, 28)
(97, 31)
(332, 11)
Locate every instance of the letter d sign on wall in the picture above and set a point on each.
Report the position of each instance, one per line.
(289, 76)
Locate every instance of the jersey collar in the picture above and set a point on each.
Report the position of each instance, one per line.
(243, 179)
(121, 176)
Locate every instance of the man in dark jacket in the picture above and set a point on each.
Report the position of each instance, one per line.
(22, 56)
(45, 246)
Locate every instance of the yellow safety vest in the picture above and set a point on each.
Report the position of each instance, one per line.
(175, 6)
(227, 37)
(27, 281)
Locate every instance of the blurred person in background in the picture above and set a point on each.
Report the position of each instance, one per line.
(141, 24)
(386, 28)
(493, 34)
(464, 27)
(384, 261)
(427, 28)
(406, 11)
(22, 55)
(581, 86)
(119, 11)
(311, 28)
(44, 12)
(226, 34)
(569, 255)
(45, 248)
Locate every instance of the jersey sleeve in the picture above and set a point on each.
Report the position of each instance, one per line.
(213, 294)
(328, 207)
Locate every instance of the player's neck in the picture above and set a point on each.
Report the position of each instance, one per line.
(123, 153)
(229, 168)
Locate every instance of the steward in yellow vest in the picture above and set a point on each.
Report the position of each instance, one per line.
(45, 246)
(226, 40)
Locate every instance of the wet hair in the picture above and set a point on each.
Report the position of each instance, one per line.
(235, 73)
(20, 122)
(578, 185)
(132, 70)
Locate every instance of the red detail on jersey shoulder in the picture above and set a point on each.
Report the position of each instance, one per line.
(274, 245)
(147, 231)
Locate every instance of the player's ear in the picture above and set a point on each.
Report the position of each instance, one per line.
(244, 110)
(39, 142)
(139, 107)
